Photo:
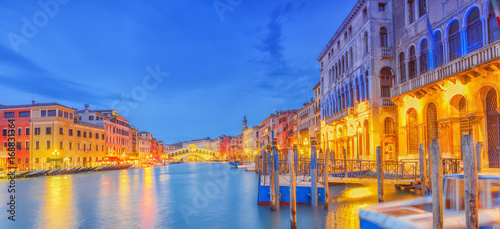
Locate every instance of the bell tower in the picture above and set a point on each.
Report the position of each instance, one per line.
(245, 127)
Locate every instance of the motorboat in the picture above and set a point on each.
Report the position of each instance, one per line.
(417, 213)
(245, 166)
(251, 167)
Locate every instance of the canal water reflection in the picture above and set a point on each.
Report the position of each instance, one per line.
(202, 195)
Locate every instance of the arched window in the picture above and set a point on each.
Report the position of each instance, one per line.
(438, 49)
(474, 30)
(388, 126)
(358, 99)
(412, 130)
(454, 40)
(492, 122)
(346, 61)
(402, 67)
(411, 11)
(493, 29)
(343, 65)
(331, 75)
(366, 86)
(335, 72)
(383, 37)
(366, 42)
(352, 57)
(422, 8)
(385, 82)
(432, 123)
(465, 125)
(424, 57)
(413, 63)
(340, 68)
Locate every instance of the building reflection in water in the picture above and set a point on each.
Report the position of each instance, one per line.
(147, 205)
(346, 200)
(58, 208)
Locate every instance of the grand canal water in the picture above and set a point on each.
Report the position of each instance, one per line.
(201, 195)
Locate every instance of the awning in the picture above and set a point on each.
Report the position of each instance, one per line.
(112, 159)
(55, 159)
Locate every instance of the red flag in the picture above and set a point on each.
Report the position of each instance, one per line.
(496, 9)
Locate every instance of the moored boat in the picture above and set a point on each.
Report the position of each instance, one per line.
(36, 173)
(417, 213)
(21, 174)
(251, 167)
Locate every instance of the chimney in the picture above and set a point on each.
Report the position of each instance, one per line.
(33, 102)
(86, 106)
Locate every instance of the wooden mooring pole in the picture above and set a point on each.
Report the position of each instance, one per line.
(293, 183)
(437, 186)
(314, 184)
(276, 171)
(478, 155)
(470, 180)
(271, 182)
(423, 171)
(325, 179)
(345, 165)
(380, 175)
(429, 167)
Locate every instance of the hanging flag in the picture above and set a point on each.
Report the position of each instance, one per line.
(496, 9)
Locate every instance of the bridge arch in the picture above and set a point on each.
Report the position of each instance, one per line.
(192, 150)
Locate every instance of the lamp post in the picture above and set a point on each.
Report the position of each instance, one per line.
(55, 155)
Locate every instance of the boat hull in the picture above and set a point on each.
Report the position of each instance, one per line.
(303, 195)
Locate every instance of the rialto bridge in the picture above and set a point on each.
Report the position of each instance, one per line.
(192, 150)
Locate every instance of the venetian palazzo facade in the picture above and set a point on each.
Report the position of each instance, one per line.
(60, 140)
(356, 67)
(447, 79)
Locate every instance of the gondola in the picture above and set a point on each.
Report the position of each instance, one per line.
(21, 174)
(52, 172)
(59, 172)
(36, 173)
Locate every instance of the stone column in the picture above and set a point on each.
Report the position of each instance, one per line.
(484, 23)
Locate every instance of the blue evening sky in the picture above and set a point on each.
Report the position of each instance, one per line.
(247, 57)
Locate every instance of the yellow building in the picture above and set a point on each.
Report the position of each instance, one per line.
(447, 82)
(59, 140)
(251, 146)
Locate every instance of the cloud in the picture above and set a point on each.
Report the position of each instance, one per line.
(20, 73)
(284, 78)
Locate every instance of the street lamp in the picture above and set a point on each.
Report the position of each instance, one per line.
(55, 154)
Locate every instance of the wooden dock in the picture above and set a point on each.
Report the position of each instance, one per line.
(357, 180)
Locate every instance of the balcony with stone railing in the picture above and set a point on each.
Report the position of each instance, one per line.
(340, 115)
(452, 68)
(387, 102)
(386, 53)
